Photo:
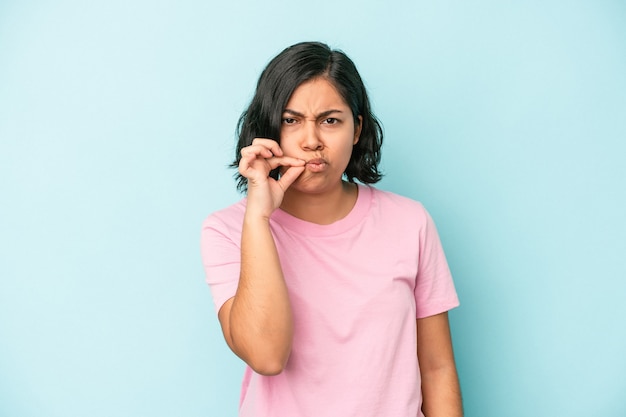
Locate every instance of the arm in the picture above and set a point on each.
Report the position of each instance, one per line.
(257, 322)
(440, 384)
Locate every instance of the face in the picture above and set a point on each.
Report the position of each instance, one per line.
(318, 127)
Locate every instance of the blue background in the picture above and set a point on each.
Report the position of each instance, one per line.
(506, 119)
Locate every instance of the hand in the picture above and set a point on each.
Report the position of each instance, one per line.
(265, 194)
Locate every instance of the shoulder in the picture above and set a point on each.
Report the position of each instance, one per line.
(392, 204)
(225, 220)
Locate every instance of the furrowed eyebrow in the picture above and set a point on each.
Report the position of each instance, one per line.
(319, 116)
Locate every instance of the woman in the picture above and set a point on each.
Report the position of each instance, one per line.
(334, 293)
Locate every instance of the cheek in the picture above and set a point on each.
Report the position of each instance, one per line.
(349, 147)
(286, 142)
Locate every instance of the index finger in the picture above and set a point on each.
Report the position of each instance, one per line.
(270, 144)
(285, 161)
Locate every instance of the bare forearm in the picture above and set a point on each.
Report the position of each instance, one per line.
(257, 322)
(261, 325)
(440, 384)
(441, 393)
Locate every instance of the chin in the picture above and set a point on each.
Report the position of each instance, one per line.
(314, 185)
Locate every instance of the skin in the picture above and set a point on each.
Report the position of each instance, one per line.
(317, 136)
(318, 126)
(441, 393)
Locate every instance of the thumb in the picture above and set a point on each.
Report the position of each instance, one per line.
(289, 176)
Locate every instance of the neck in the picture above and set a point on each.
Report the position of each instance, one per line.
(323, 208)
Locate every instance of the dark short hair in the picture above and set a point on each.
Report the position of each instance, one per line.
(293, 66)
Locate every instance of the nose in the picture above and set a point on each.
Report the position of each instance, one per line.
(311, 139)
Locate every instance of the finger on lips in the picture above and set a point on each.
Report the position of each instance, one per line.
(270, 151)
(285, 161)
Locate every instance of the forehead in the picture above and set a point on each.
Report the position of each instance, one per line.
(318, 93)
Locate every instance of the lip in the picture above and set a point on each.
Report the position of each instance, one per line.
(316, 164)
(316, 161)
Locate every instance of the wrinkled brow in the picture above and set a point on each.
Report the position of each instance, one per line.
(319, 116)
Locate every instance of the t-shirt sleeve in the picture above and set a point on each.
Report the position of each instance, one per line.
(434, 289)
(221, 257)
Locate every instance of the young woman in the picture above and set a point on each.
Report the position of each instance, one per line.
(333, 292)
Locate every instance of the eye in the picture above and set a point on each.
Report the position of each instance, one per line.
(289, 120)
(331, 121)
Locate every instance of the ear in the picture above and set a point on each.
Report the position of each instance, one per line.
(357, 130)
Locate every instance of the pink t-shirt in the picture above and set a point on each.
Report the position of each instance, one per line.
(356, 288)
